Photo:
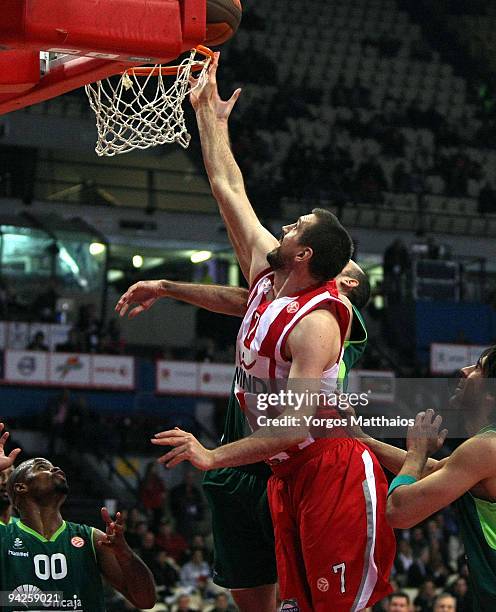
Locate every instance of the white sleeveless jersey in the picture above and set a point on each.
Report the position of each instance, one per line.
(260, 363)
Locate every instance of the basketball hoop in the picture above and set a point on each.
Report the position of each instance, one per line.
(137, 109)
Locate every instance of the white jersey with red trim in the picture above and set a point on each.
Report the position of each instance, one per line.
(261, 366)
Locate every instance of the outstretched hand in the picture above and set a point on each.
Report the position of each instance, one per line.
(143, 293)
(424, 436)
(6, 461)
(186, 448)
(207, 94)
(114, 534)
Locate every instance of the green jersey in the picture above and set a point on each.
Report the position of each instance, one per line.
(354, 348)
(60, 573)
(477, 519)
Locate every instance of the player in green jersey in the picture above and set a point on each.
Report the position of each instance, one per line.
(466, 478)
(53, 565)
(241, 521)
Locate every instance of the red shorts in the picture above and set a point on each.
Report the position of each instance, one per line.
(334, 548)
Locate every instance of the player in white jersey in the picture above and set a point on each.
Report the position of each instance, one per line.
(327, 496)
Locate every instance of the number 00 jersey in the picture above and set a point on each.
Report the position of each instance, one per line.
(59, 574)
(262, 338)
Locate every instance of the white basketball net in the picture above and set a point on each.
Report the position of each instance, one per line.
(137, 112)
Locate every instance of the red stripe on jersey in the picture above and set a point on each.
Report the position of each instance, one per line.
(254, 284)
(329, 294)
(342, 316)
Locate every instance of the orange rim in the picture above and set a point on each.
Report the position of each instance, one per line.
(170, 70)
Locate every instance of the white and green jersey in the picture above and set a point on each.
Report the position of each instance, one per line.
(58, 574)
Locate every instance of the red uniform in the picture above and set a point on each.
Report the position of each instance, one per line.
(327, 497)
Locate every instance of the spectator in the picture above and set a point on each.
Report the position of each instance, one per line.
(196, 572)
(183, 604)
(58, 416)
(90, 328)
(420, 571)
(172, 543)
(37, 343)
(187, 506)
(404, 558)
(398, 602)
(148, 550)
(424, 602)
(153, 493)
(135, 534)
(165, 571)
(221, 604)
(45, 304)
(72, 344)
(445, 603)
(460, 592)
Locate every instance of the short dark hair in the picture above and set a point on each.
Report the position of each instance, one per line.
(489, 366)
(359, 296)
(400, 594)
(18, 475)
(331, 244)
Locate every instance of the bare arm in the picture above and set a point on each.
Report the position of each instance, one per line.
(411, 504)
(125, 571)
(309, 360)
(250, 239)
(6, 461)
(216, 298)
(393, 458)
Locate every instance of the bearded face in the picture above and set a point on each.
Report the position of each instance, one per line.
(276, 259)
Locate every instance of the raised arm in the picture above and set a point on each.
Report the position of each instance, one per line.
(391, 457)
(251, 241)
(216, 298)
(125, 571)
(410, 504)
(6, 461)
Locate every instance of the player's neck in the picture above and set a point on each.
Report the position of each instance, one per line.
(5, 516)
(45, 520)
(291, 283)
(475, 421)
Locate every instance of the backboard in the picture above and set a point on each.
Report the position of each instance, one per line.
(49, 47)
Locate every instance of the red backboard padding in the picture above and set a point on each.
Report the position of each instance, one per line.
(146, 28)
(107, 35)
(26, 73)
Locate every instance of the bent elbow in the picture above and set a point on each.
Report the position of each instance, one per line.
(395, 518)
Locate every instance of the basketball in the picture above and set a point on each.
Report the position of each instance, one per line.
(223, 19)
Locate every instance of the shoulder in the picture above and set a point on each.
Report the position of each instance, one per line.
(315, 333)
(477, 453)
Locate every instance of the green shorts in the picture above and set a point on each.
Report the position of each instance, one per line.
(242, 526)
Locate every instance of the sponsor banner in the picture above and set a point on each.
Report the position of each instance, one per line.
(215, 378)
(179, 377)
(26, 366)
(449, 358)
(69, 368)
(112, 371)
